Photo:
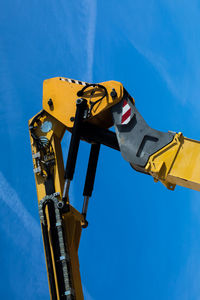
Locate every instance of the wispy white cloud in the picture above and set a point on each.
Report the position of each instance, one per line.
(21, 228)
(87, 295)
(187, 284)
(161, 64)
(9, 196)
(167, 36)
(91, 36)
(89, 8)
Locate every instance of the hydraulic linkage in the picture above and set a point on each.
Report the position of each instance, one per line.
(87, 111)
(61, 223)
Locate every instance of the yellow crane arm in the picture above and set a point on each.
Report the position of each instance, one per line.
(88, 111)
(169, 157)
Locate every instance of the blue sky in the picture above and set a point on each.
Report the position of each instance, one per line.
(142, 241)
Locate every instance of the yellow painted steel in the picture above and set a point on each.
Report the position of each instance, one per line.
(177, 163)
(185, 171)
(160, 163)
(72, 220)
(64, 95)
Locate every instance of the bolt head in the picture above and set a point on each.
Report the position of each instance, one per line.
(60, 204)
(113, 94)
(50, 102)
(79, 100)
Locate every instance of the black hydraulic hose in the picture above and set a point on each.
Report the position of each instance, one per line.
(49, 260)
(55, 246)
(49, 187)
(93, 103)
(59, 246)
(81, 92)
(91, 170)
(81, 106)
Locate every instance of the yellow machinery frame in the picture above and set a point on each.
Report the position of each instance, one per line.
(175, 163)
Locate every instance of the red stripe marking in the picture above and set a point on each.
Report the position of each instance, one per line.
(126, 115)
(125, 102)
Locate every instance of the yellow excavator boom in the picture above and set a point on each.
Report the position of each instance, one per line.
(88, 111)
